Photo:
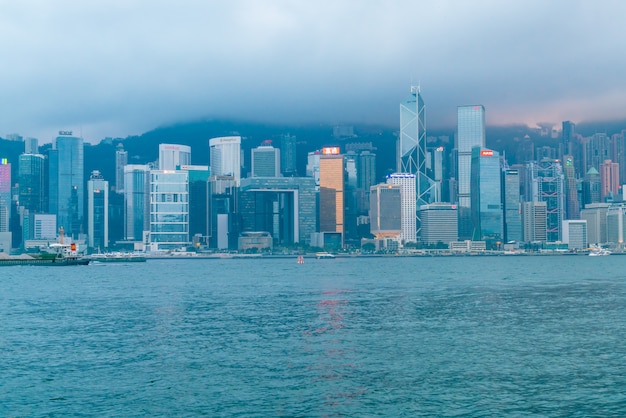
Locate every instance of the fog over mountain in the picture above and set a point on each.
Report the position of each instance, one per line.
(116, 68)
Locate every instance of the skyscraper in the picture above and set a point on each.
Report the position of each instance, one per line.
(411, 152)
(67, 189)
(406, 181)
(5, 195)
(331, 191)
(225, 157)
(169, 209)
(288, 155)
(534, 221)
(571, 188)
(31, 182)
(595, 215)
(567, 136)
(98, 211)
(265, 161)
(121, 159)
(575, 234)
(486, 196)
(172, 156)
(609, 180)
(136, 201)
(547, 186)
(470, 134)
(512, 209)
(386, 210)
(439, 223)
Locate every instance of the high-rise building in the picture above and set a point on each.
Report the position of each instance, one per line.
(136, 201)
(265, 161)
(172, 156)
(486, 196)
(67, 183)
(31, 146)
(567, 137)
(386, 211)
(609, 180)
(512, 208)
(534, 221)
(225, 157)
(616, 224)
(411, 152)
(470, 134)
(223, 213)
(592, 187)
(44, 226)
(572, 207)
(313, 166)
(331, 195)
(5, 195)
(439, 223)
(98, 211)
(597, 150)
(288, 155)
(169, 209)
(31, 180)
(198, 202)
(285, 207)
(547, 186)
(595, 215)
(406, 181)
(575, 234)
(121, 159)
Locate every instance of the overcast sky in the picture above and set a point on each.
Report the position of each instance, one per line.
(118, 68)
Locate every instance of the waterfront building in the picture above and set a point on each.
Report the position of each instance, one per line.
(97, 211)
(331, 192)
(66, 183)
(172, 156)
(548, 186)
(198, 202)
(265, 161)
(609, 180)
(406, 181)
(169, 209)
(225, 157)
(595, 215)
(31, 180)
(288, 155)
(5, 195)
(136, 201)
(386, 211)
(616, 224)
(44, 226)
(486, 196)
(284, 207)
(534, 218)
(575, 234)
(470, 134)
(439, 223)
(512, 206)
(223, 213)
(121, 159)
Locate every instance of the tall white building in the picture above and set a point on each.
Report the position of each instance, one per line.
(406, 181)
(595, 215)
(225, 157)
(172, 156)
(98, 211)
(169, 209)
(616, 225)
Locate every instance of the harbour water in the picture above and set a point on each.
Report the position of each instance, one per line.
(447, 336)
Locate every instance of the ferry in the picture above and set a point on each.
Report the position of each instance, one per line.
(323, 255)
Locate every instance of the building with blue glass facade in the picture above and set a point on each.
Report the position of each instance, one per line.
(486, 196)
(512, 206)
(97, 211)
(66, 185)
(169, 209)
(136, 201)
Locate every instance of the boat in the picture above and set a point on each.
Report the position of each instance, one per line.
(599, 252)
(300, 259)
(323, 255)
(55, 255)
(118, 257)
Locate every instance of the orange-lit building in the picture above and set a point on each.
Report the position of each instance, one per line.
(331, 191)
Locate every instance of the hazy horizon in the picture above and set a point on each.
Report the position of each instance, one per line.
(117, 69)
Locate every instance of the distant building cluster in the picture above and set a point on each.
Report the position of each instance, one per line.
(459, 197)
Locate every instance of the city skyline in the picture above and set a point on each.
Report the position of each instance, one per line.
(113, 69)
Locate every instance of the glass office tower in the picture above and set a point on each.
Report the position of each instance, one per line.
(69, 181)
(470, 134)
(486, 197)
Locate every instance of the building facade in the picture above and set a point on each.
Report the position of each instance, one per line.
(169, 210)
(486, 197)
(172, 156)
(439, 223)
(386, 211)
(406, 181)
(136, 201)
(97, 211)
(331, 191)
(225, 157)
(265, 161)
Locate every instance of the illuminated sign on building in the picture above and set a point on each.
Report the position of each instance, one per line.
(486, 153)
(67, 133)
(330, 150)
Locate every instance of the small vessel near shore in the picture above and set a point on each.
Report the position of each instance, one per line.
(323, 255)
(55, 254)
(117, 257)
